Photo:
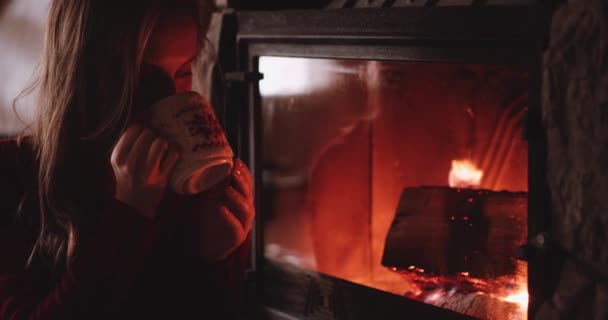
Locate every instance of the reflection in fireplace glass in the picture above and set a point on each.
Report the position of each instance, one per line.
(407, 177)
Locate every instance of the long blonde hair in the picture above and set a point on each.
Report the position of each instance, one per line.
(89, 74)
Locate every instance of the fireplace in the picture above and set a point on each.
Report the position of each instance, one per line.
(365, 177)
(396, 155)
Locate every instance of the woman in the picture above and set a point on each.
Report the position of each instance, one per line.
(88, 228)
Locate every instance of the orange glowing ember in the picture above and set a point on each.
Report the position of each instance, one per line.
(520, 298)
(464, 174)
(466, 294)
(520, 294)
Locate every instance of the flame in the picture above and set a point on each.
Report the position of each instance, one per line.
(448, 292)
(464, 174)
(520, 298)
(520, 295)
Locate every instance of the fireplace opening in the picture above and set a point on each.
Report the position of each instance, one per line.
(408, 177)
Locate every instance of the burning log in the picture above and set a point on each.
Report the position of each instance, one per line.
(475, 304)
(502, 298)
(448, 231)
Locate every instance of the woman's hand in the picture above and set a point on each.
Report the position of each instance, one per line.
(142, 162)
(226, 225)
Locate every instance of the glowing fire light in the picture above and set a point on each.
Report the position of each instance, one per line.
(456, 293)
(520, 298)
(464, 174)
(500, 298)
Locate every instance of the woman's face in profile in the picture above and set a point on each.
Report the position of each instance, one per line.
(172, 49)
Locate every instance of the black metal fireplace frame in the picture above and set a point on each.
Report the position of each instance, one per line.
(480, 35)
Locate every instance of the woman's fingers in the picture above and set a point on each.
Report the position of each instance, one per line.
(242, 180)
(241, 169)
(170, 160)
(240, 207)
(156, 153)
(142, 162)
(240, 195)
(120, 152)
(139, 151)
(241, 183)
(229, 218)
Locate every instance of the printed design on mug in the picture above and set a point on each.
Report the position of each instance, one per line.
(203, 125)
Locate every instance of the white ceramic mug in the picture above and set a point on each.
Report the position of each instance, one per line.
(187, 119)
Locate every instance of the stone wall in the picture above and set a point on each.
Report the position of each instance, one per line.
(575, 112)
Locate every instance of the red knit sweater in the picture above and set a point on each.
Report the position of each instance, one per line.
(127, 267)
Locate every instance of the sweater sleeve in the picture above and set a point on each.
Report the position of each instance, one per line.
(214, 290)
(109, 259)
(227, 279)
(224, 280)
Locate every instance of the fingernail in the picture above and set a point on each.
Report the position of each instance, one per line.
(237, 172)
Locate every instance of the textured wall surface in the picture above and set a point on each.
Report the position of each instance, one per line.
(575, 111)
(21, 32)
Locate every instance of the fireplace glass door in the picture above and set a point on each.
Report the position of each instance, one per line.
(407, 177)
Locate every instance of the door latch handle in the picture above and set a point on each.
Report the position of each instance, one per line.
(539, 243)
